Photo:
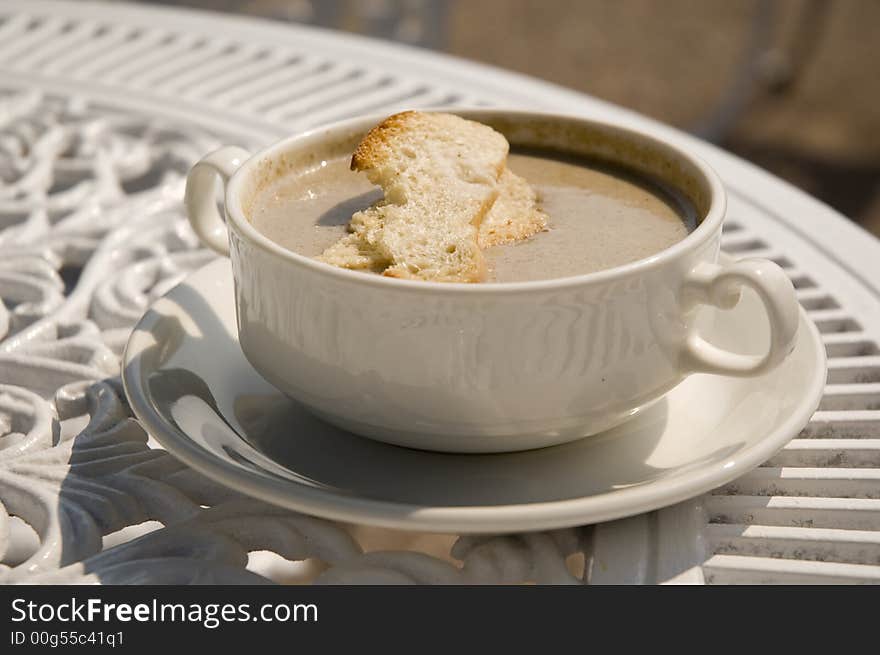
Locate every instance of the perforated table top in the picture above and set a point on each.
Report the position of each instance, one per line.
(102, 110)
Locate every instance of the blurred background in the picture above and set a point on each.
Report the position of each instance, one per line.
(792, 85)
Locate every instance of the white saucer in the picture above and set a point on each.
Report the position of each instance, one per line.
(189, 383)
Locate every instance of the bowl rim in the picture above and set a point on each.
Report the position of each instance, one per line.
(708, 227)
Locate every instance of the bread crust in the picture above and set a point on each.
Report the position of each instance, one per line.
(366, 154)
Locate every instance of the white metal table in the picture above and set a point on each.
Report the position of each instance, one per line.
(103, 108)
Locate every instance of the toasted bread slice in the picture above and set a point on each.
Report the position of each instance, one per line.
(515, 214)
(440, 176)
(354, 252)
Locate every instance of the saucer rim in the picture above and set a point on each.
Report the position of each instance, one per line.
(475, 519)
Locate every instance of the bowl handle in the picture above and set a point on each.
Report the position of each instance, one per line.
(719, 285)
(200, 198)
